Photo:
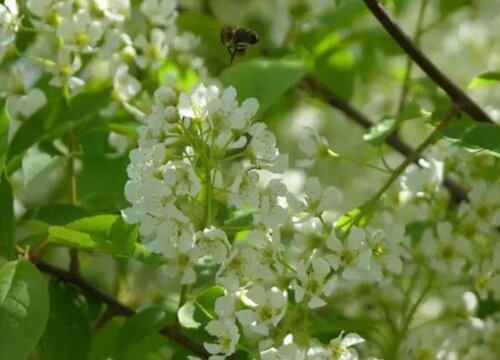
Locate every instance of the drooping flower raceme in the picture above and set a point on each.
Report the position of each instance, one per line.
(202, 153)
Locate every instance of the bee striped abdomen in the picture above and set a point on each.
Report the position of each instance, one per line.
(237, 40)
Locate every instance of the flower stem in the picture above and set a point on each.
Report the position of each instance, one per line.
(334, 155)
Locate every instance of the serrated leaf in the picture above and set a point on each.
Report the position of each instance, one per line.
(137, 327)
(7, 242)
(485, 79)
(24, 308)
(265, 80)
(68, 321)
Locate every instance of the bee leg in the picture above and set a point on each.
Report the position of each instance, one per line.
(229, 47)
(233, 54)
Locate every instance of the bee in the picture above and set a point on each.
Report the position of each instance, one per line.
(237, 40)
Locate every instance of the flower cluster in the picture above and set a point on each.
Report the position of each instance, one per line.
(202, 154)
(86, 42)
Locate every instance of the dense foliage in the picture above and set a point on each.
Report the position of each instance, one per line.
(321, 181)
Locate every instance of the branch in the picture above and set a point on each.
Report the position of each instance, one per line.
(453, 91)
(117, 308)
(314, 88)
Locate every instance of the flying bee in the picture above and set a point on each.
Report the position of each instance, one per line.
(237, 40)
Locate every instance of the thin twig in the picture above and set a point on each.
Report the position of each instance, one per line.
(314, 88)
(453, 91)
(409, 63)
(117, 308)
(417, 153)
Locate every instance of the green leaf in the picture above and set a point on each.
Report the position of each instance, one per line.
(380, 131)
(57, 119)
(144, 323)
(483, 136)
(103, 233)
(59, 214)
(447, 7)
(102, 174)
(67, 336)
(103, 341)
(7, 242)
(265, 80)
(359, 216)
(334, 64)
(107, 234)
(205, 303)
(24, 308)
(485, 79)
(4, 133)
(474, 136)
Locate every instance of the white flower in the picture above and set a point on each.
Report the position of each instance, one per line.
(262, 148)
(340, 346)
(352, 256)
(225, 306)
(181, 263)
(160, 12)
(196, 104)
(118, 49)
(227, 336)
(49, 11)
(125, 86)
(152, 51)
(268, 246)
(486, 275)
(312, 282)
(22, 98)
(119, 142)
(288, 351)
(114, 11)
(268, 308)
(245, 191)
(179, 176)
(314, 146)
(272, 212)
(213, 243)
(319, 200)
(447, 251)
(80, 32)
(421, 181)
(385, 247)
(66, 66)
(483, 209)
(9, 24)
